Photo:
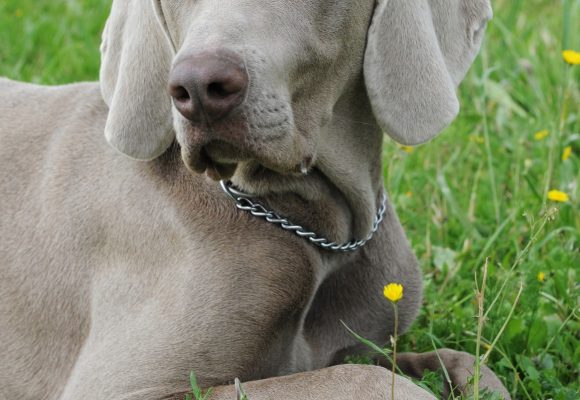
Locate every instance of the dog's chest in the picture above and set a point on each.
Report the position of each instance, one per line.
(223, 306)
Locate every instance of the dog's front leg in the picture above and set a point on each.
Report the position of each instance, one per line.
(459, 366)
(342, 382)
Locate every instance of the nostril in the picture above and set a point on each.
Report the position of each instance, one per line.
(180, 94)
(218, 90)
(226, 88)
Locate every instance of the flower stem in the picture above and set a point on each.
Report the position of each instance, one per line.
(394, 350)
(480, 294)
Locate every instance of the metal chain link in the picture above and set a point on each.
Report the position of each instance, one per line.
(244, 203)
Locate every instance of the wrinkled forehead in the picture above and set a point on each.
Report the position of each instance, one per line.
(212, 20)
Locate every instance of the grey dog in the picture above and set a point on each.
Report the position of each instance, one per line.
(119, 276)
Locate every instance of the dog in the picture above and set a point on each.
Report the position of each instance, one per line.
(125, 265)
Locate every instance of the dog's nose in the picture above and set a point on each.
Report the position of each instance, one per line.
(208, 84)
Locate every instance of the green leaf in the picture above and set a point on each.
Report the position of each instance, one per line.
(194, 386)
(368, 343)
(538, 335)
(197, 391)
(432, 382)
(514, 329)
(529, 368)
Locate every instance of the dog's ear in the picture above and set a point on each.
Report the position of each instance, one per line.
(418, 51)
(135, 66)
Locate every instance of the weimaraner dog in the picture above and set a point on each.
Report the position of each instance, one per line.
(125, 265)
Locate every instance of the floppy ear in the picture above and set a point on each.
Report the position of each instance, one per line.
(418, 51)
(135, 66)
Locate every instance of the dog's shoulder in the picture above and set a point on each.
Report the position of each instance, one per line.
(40, 125)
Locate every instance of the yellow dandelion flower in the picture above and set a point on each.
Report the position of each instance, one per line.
(541, 277)
(556, 195)
(18, 13)
(571, 57)
(566, 153)
(409, 194)
(541, 135)
(408, 149)
(393, 292)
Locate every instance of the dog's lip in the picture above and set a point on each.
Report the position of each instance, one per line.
(200, 160)
(219, 159)
(225, 153)
(217, 171)
(195, 160)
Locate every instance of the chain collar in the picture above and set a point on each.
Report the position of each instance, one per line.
(245, 203)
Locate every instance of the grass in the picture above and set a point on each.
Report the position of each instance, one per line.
(197, 393)
(477, 193)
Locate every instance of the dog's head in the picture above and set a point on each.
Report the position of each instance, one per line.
(257, 81)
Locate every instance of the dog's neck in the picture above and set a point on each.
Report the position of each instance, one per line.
(340, 197)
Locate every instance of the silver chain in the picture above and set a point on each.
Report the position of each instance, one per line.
(244, 203)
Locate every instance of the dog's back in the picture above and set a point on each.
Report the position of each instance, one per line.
(34, 119)
(39, 126)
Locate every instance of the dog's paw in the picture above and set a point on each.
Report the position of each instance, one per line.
(459, 366)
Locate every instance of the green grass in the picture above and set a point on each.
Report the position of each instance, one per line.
(51, 41)
(477, 192)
